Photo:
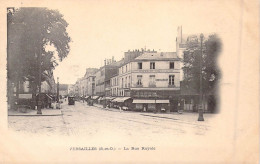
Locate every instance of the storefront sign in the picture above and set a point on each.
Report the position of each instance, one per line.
(25, 96)
(161, 79)
(158, 71)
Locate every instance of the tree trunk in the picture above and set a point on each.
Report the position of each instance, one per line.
(17, 93)
(34, 88)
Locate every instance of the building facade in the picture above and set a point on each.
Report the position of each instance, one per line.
(150, 78)
(114, 86)
(103, 77)
(89, 82)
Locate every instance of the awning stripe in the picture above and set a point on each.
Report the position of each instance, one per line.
(141, 101)
(95, 97)
(122, 99)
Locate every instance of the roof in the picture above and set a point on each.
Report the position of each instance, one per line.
(158, 56)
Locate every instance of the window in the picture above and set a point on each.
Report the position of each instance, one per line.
(171, 65)
(129, 81)
(122, 83)
(139, 79)
(152, 65)
(171, 79)
(126, 68)
(125, 82)
(152, 80)
(140, 66)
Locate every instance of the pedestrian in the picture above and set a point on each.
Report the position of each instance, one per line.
(144, 109)
(179, 107)
(120, 108)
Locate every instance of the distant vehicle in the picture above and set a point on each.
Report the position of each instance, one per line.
(71, 100)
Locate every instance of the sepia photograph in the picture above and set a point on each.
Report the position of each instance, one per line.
(130, 82)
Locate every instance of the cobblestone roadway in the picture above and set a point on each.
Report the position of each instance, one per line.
(91, 121)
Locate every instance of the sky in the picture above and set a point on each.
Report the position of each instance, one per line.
(102, 29)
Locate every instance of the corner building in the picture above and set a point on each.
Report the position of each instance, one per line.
(152, 80)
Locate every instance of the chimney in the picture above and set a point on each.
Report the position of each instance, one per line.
(105, 62)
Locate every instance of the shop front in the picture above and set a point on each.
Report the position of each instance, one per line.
(123, 102)
(151, 105)
(155, 100)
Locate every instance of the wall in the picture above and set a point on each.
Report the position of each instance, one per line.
(161, 79)
(100, 82)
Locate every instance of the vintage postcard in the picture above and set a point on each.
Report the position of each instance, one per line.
(129, 81)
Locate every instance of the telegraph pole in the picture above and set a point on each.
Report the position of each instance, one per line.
(200, 105)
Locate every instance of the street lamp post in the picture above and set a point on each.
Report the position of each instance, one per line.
(58, 95)
(200, 105)
(39, 110)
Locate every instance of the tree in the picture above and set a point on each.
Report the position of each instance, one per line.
(209, 68)
(31, 31)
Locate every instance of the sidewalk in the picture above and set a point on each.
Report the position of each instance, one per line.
(30, 112)
(184, 117)
(110, 109)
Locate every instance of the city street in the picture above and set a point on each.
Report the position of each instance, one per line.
(94, 121)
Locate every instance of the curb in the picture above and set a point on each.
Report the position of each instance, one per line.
(36, 115)
(159, 117)
(106, 109)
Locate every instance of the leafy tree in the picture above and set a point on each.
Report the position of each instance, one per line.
(209, 68)
(30, 32)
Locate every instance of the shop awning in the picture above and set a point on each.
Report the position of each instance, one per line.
(86, 97)
(109, 98)
(116, 99)
(95, 97)
(143, 101)
(100, 98)
(122, 99)
(162, 101)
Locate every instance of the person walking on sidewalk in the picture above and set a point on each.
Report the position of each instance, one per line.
(179, 107)
(120, 107)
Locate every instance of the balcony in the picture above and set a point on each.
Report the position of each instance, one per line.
(152, 85)
(139, 85)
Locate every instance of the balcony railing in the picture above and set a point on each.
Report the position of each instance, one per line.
(152, 85)
(139, 85)
(171, 86)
